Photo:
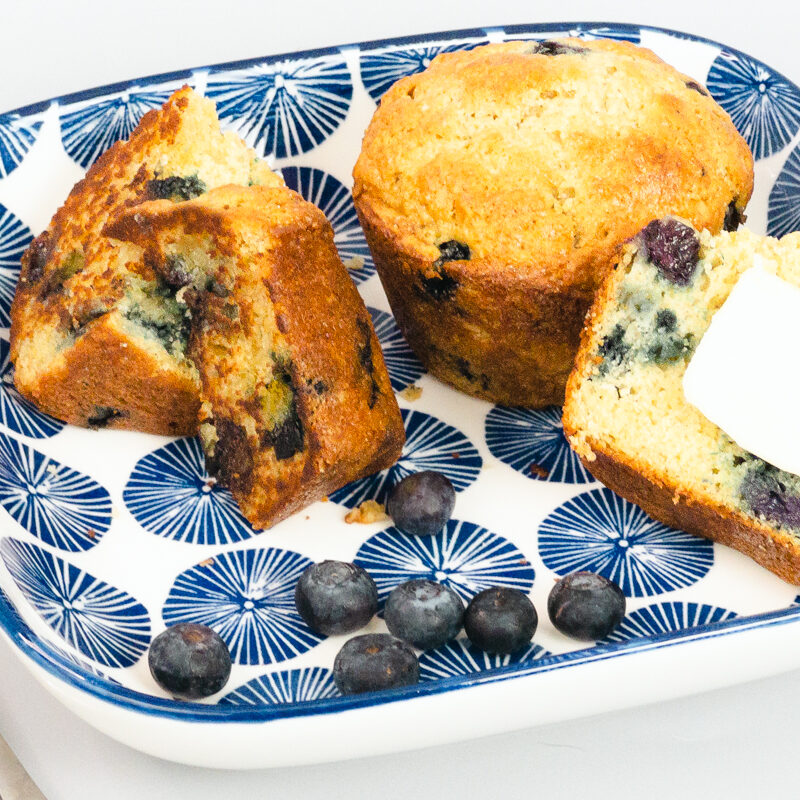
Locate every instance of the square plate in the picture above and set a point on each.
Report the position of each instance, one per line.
(110, 535)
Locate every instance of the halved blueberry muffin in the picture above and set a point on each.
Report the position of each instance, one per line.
(97, 337)
(626, 412)
(296, 399)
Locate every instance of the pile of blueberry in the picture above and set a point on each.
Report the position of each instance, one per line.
(334, 597)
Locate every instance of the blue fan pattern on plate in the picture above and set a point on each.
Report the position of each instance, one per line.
(430, 444)
(170, 494)
(102, 622)
(14, 240)
(600, 532)
(81, 664)
(247, 596)
(661, 618)
(275, 695)
(287, 686)
(380, 70)
(463, 556)
(403, 366)
(61, 506)
(88, 131)
(284, 108)
(621, 33)
(783, 215)
(17, 135)
(764, 106)
(335, 201)
(533, 443)
(462, 658)
(627, 33)
(17, 413)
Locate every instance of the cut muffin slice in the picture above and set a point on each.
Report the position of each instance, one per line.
(626, 414)
(97, 337)
(296, 396)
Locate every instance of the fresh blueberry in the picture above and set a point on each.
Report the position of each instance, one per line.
(673, 247)
(500, 620)
(586, 606)
(335, 597)
(374, 661)
(189, 661)
(422, 503)
(424, 613)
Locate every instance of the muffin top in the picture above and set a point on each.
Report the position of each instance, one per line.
(544, 157)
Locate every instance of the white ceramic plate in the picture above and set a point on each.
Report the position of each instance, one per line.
(107, 536)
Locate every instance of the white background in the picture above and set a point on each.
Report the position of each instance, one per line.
(739, 742)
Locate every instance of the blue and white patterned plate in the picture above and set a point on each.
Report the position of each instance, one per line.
(108, 536)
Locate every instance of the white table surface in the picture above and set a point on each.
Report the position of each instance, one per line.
(736, 742)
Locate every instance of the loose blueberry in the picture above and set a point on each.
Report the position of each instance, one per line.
(335, 597)
(587, 606)
(374, 661)
(424, 613)
(189, 661)
(673, 247)
(769, 497)
(422, 503)
(500, 620)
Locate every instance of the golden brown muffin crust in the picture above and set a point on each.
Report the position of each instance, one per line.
(276, 313)
(608, 418)
(73, 276)
(543, 166)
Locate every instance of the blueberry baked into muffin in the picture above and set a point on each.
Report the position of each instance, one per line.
(626, 412)
(496, 187)
(97, 337)
(296, 399)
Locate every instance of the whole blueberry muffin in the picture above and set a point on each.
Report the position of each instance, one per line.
(97, 338)
(295, 396)
(626, 412)
(496, 188)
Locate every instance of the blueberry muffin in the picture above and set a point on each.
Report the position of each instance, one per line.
(626, 414)
(97, 337)
(496, 187)
(296, 399)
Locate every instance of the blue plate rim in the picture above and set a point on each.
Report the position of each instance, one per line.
(56, 662)
(58, 665)
(374, 44)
